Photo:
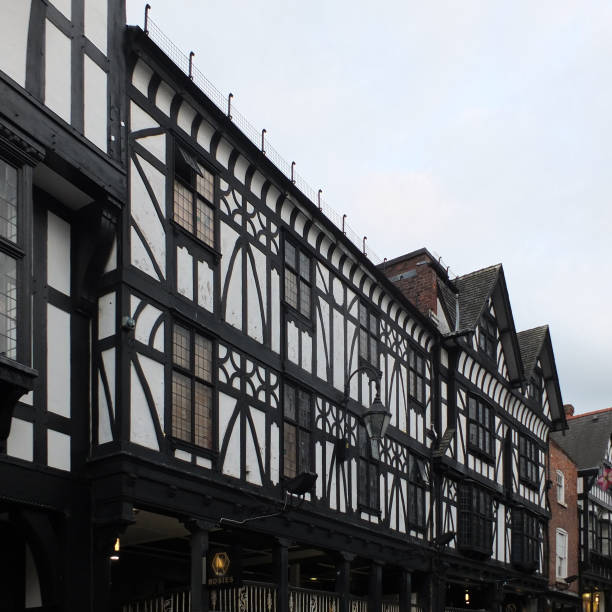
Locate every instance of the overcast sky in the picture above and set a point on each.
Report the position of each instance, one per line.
(480, 130)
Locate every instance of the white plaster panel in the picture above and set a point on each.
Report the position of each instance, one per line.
(145, 322)
(319, 467)
(142, 428)
(338, 291)
(144, 214)
(233, 279)
(293, 342)
(185, 117)
(231, 465)
(335, 258)
(322, 337)
(184, 272)
(58, 450)
(286, 210)
(20, 443)
(240, 168)
(163, 99)
(307, 351)
(104, 424)
(338, 360)
(204, 462)
(141, 77)
(206, 286)
(58, 253)
(111, 264)
(108, 359)
(255, 317)
(28, 398)
(313, 235)
(182, 455)
(300, 222)
(140, 120)
(157, 182)
(224, 150)
(158, 339)
(106, 315)
(95, 104)
(58, 361)
(333, 501)
(274, 454)
(57, 72)
(272, 197)
(275, 314)
(96, 27)
(64, 7)
(322, 278)
(156, 145)
(14, 27)
(33, 597)
(259, 421)
(154, 374)
(205, 134)
(257, 183)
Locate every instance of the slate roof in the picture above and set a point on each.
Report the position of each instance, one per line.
(530, 345)
(473, 290)
(587, 438)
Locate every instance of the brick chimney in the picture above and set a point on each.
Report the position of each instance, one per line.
(416, 275)
(569, 409)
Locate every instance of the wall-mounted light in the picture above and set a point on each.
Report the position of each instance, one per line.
(467, 597)
(115, 554)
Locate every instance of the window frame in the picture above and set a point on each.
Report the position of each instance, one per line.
(367, 335)
(529, 466)
(559, 558)
(560, 487)
(368, 473)
(417, 488)
(487, 336)
(189, 372)
(191, 185)
(301, 282)
(526, 541)
(475, 525)
(605, 538)
(302, 430)
(485, 431)
(417, 380)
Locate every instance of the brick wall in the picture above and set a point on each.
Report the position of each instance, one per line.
(564, 516)
(418, 281)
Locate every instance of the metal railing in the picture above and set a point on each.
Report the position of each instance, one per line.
(251, 597)
(306, 600)
(185, 63)
(179, 601)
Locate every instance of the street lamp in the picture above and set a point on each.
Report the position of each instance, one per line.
(376, 418)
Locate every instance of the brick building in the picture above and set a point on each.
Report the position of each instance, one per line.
(562, 530)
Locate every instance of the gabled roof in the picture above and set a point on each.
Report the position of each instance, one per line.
(530, 344)
(587, 438)
(535, 344)
(465, 308)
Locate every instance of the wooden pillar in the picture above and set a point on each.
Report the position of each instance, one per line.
(437, 590)
(281, 573)
(607, 597)
(199, 548)
(343, 580)
(405, 591)
(375, 591)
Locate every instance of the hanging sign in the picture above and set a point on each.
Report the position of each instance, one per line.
(604, 481)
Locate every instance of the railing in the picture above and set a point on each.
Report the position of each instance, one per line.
(185, 63)
(251, 596)
(390, 606)
(306, 600)
(173, 602)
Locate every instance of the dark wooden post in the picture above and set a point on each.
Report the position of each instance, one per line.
(199, 548)
(281, 573)
(343, 581)
(375, 592)
(405, 591)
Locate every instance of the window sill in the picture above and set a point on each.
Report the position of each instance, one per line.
(481, 454)
(193, 239)
(369, 510)
(562, 503)
(16, 379)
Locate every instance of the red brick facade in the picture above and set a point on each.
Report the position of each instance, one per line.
(564, 516)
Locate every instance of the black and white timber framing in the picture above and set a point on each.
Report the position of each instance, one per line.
(186, 323)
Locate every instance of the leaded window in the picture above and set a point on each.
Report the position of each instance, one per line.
(416, 494)
(192, 392)
(475, 519)
(194, 197)
(525, 539)
(487, 336)
(297, 427)
(480, 427)
(368, 492)
(605, 535)
(528, 461)
(298, 281)
(10, 256)
(417, 377)
(368, 335)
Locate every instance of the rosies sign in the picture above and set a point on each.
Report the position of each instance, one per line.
(223, 567)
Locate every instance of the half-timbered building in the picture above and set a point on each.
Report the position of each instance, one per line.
(198, 367)
(499, 398)
(588, 441)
